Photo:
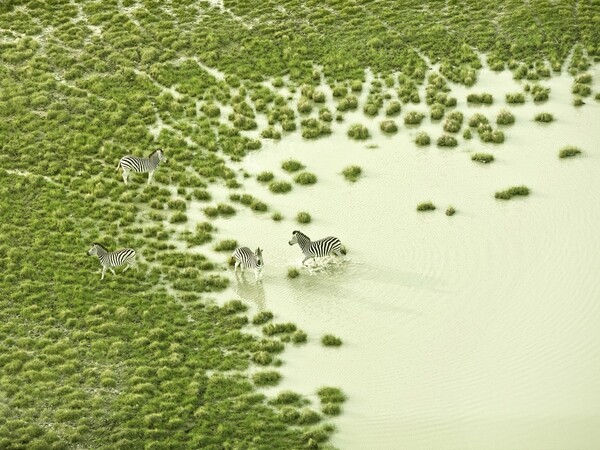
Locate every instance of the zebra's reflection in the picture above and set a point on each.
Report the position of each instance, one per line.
(250, 290)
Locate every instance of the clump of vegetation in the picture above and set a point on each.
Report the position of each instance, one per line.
(388, 126)
(178, 217)
(265, 177)
(467, 134)
(426, 206)
(291, 165)
(293, 272)
(484, 98)
(262, 317)
(394, 107)
(313, 128)
(226, 245)
(280, 187)
(349, 103)
(540, 93)
(544, 117)
(453, 122)
(278, 328)
(270, 133)
(505, 118)
(331, 395)
(266, 378)
(358, 132)
(569, 151)
(329, 340)
(277, 216)
(446, 140)
(352, 173)
(578, 102)
(515, 98)
(413, 118)
(305, 178)
(422, 139)
(450, 211)
(303, 217)
(509, 193)
(437, 111)
(299, 336)
(484, 158)
(478, 119)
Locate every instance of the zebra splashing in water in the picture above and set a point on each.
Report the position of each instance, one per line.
(248, 260)
(141, 165)
(112, 259)
(314, 249)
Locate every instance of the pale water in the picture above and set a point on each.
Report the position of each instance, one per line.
(480, 330)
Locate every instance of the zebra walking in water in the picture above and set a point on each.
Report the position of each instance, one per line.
(112, 259)
(138, 164)
(248, 260)
(314, 249)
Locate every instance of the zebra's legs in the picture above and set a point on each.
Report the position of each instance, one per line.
(125, 174)
(306, 259)
(237, 263)
(112, 270)
(257, 272)
(128, 266)
(103, 272)
(338, 252)
(150, 176)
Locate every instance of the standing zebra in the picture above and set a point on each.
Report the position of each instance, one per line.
(141, 165)
(244, 257)
(313, 249)
(112, 259)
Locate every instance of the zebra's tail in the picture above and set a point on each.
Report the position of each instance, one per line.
(119, 166)
(343, 250)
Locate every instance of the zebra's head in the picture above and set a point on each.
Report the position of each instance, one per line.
(94, 250)
(259, 258)
(294, 239)
(161, 155)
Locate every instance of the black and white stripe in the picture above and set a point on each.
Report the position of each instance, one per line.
(315, 249)
(112, 259)
(247, 259)
(138, 164)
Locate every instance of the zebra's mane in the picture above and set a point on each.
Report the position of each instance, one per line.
(301, 234)
(100, 245)
(150, 155)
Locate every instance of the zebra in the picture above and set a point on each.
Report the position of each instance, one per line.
(112, 259)
(245, 258)
(313, 249)
(141, 165)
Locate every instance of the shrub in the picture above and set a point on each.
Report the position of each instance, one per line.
(486, 99)
(477, 119)
(278, 328)
(270, 133)
(358, 132)
(305, 178)
(578, 102)
(467, 134)
(437, 111)
(450, 211)
(540, 93)
(265, 177)
(298, 336)
(331, 395)
(388, 126)
(482, 157)
(293, 272)
(277, 216)
(422, 139)
(544, 117)
(329, 340)
(515, 98)
(201, 194)
(349, 103)
(292, 165)
(352, 173)
(569, 151)
(280, 187)
(266, 378)
(331, 409)
(446, 140)
(393, 108)
(505, 118)
(303, 217)
(511, 192)
(225, 209)
(413, 118)
(226, 245)
(581, 89)
(178, 217)
(426, 206)
(262, 317)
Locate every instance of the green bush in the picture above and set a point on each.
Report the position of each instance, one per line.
(305, 178)
(280, 187)
(484, 98)
(413, 118)
(393, 108)
(422, 139)
(515, 98)
(482, 157)
(388, 126)
(509, 193)
(568, 152)
(292, 165)
(544, 117)
(505, 118)
(266, 378)
(446, 140)
(293, 272)
(358, 132)
(303, 217)
(265, 177)
(329, 340)
(352, 173)
(226, 245)
(426, 206)
(450, 211)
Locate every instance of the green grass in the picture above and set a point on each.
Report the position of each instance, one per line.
(291, 165)
(394, 107)
(358, 132)
(544, 117)
(515, 98)
(422, 139)
(569, 151)
(266, 378)
(480, 99)
(388, 126)
(303, 217)
(293, 272)
(277, 216)
(352, 173)
(226, 245)
(511, 192)
(413, 118)
(265, 177)
(505, 118)
(262, 317)
(280, 187)
(305, 178)
(450, 211)
(425, 206)
(329, 340)
(446, 140)
(484, 158)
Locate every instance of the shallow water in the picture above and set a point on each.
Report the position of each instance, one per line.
(476, 331)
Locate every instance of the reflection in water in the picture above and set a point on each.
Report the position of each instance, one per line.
(252, 290)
